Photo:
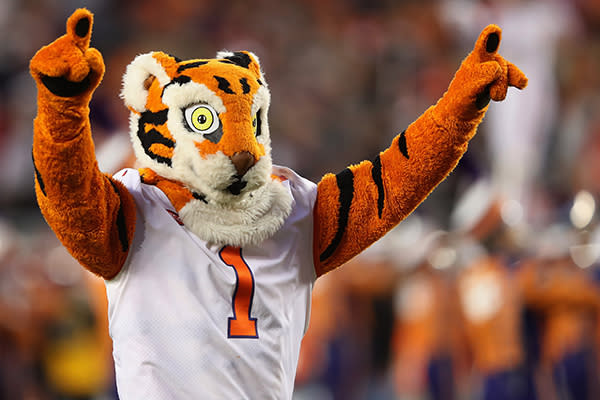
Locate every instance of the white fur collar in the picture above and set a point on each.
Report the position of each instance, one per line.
(254, 218)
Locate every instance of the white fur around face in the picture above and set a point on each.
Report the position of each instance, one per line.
(247, 222)
(185, 159)
(238, 220)
(247, 218)
(183, 95)
(211, 174)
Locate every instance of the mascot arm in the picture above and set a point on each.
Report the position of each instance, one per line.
(92, 215)
(363, 202)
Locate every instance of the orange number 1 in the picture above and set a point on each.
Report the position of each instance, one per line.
(241, 325)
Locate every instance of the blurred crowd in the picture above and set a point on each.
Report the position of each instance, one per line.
(489, 291)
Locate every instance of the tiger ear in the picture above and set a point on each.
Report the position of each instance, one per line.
(246, 59)
(140, 74)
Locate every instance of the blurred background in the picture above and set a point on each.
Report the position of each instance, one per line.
(488, 291)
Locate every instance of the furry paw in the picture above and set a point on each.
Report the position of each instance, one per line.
(68, 67)
(484, 75)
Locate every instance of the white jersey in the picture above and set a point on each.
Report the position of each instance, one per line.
(192, 320)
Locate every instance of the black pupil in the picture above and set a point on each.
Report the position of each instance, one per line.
(202, 119)
(254, 122)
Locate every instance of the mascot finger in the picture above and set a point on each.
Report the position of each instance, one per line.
(79, 33)
(516, 77)
(67, 67)
(493, 71)
(79, 28)
(511, 75)
(487, 44)
(96, 64)
(499, 87)
(485, 53)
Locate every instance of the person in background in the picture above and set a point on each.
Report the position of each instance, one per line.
(566, 300)
(490, 297)
(428, 341)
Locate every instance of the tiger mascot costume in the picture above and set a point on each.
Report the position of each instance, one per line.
(209, 252)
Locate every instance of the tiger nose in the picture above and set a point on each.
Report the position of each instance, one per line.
(242, 161)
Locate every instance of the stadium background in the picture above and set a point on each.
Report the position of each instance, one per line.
(490, 288)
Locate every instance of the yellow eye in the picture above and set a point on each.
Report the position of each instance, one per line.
(254, 124)
(202, 118)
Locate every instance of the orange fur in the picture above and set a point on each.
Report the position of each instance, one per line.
(92, 215)
(175, 191)
(95, 216)
(237, 119)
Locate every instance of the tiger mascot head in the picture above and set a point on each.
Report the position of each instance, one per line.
(202, 125)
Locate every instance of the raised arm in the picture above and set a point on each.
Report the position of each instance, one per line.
(360, 204)
(91, 214)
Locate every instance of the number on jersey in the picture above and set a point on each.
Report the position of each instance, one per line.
(241, 325)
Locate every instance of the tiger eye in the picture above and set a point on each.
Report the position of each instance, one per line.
(202, 118)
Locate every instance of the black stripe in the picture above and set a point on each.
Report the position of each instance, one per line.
(245, 86)
(200, 197)
(345, 182)
(402, 144)
(154, 118)
(224, 84)
(179, 79)
(258, 123)
(378, 179)
(121, 226)
(38, 176)
(153, 136)
(240, 58)
(194, 64)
